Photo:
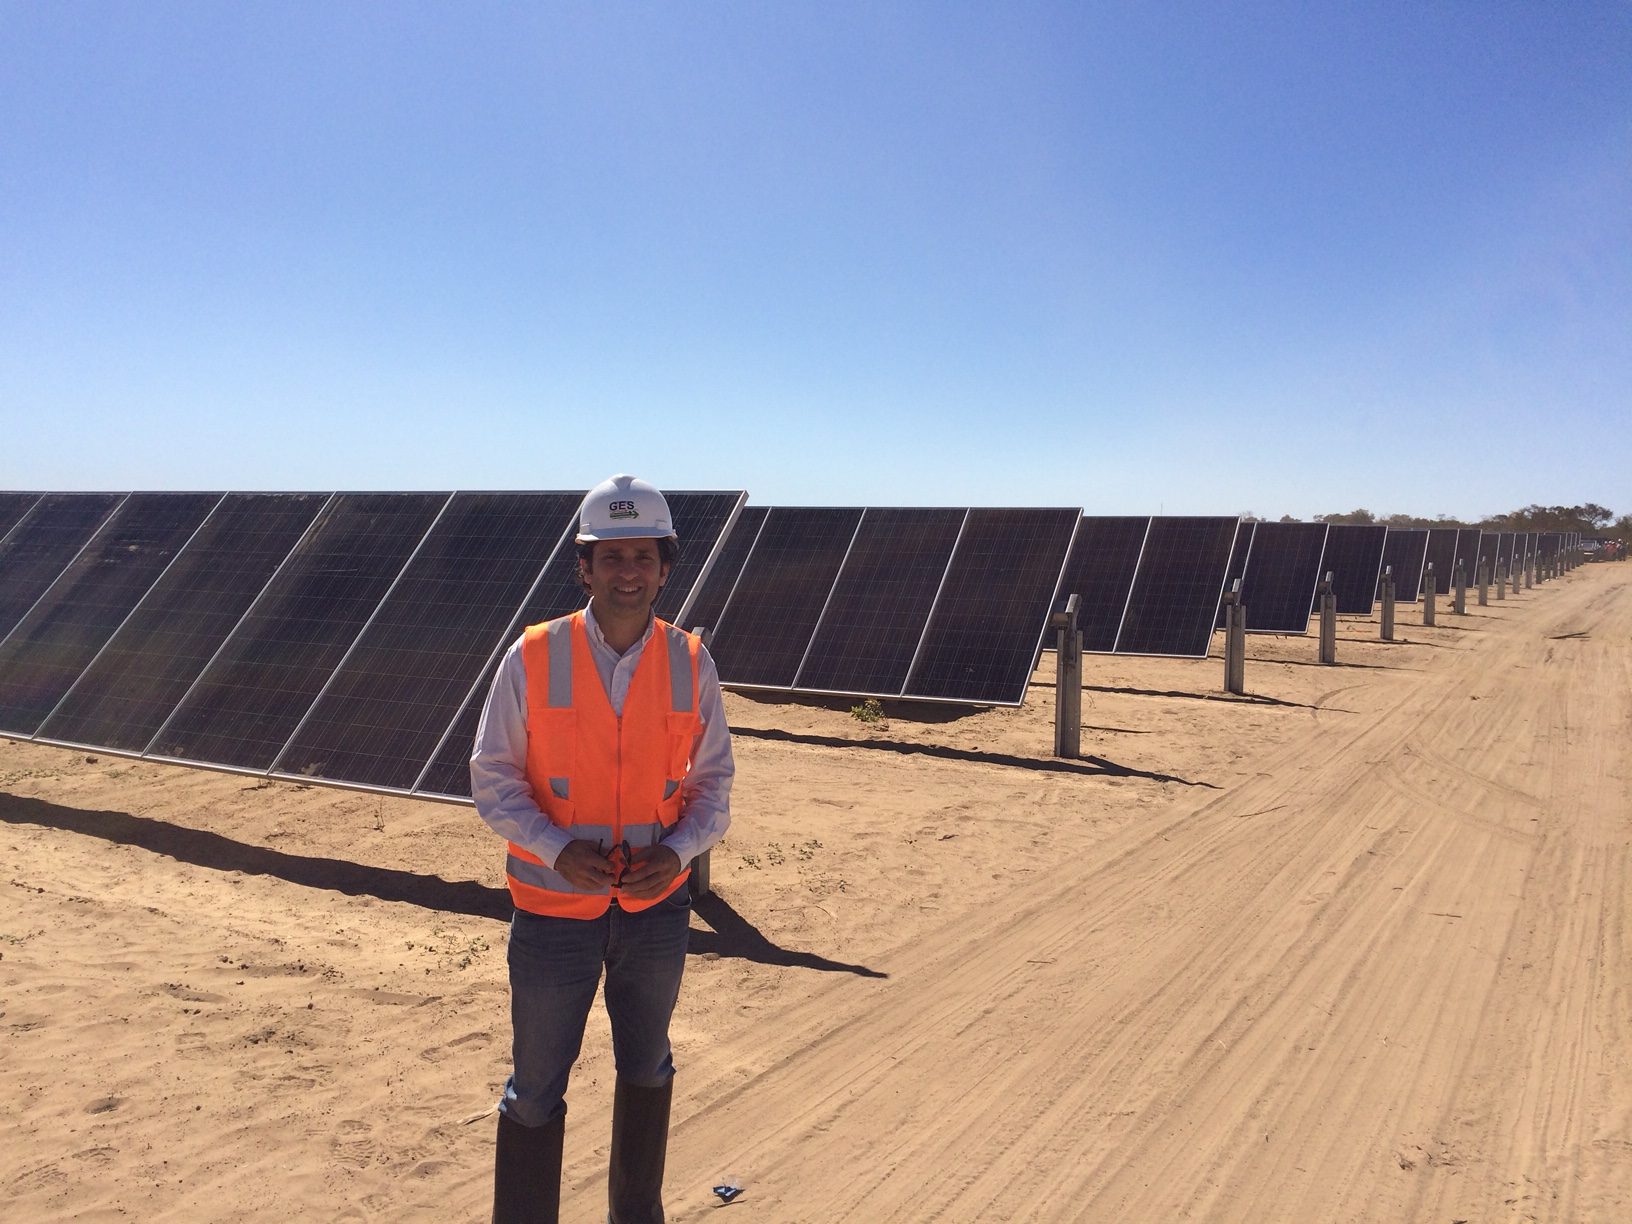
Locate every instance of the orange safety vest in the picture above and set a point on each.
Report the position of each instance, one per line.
(603, 778)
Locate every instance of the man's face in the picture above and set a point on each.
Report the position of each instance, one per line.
(625, 575)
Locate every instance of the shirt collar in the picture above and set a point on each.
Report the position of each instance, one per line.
(599, 638)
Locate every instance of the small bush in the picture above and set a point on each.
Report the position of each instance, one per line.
(870, 711)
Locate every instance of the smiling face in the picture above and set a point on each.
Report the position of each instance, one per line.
(624, 576)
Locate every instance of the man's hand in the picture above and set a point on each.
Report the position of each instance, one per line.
(650, 871)
(584, 866)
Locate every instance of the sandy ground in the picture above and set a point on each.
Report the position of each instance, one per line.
(1352, 948)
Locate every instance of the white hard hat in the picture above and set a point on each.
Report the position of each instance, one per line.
(624, 508)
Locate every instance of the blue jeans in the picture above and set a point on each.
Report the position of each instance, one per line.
(555, 965)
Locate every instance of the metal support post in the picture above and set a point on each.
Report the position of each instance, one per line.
(1388, 604)
(1235, 641)
(1529, 573)
(1484, 584)
(1430, 595)
(1459, 590)
(1068, 681)
(1328, 621)
(1501, 583)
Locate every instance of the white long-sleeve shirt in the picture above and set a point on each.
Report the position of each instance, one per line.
(498, 779)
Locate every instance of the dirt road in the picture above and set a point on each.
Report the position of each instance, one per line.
(1384, 980)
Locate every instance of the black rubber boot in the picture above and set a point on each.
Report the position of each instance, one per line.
(640, 1141)
(527, 1172)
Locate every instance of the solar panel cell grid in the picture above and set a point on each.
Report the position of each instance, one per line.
(1283, 568)
(877, 609)
(253, 695)
(57, 639)
(387, 707)
(1442, 556)
(982, 638)
(124, 697)
(1354, 558)
(42, 544)
(1404, 553)
(13, 506)
(1175, 596)
(766, 627)
(1472, 546)
(1100, 569)
(722, 577)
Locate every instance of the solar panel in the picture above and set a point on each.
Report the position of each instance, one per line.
(1236, 568)
(1472, 546)
(721, 579)
(123, 698)
(386, 708)
(1099, 571)
(1509, 553)
(42, 544)
(1283, 568)
(1442, 556)
(981, 641)
(1405, 551)
(877, 609)
(253, 695)
(1354, 559)
(13, 506)
(768, 623)
(60, 635)
(1175, 595)
(699, 518)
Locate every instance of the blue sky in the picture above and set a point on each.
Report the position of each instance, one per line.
(1176, 258)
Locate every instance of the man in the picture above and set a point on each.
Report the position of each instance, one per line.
(604, 759)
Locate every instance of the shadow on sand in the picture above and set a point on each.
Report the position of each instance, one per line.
(730, 934)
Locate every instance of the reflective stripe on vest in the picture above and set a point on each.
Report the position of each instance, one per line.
(604, 778)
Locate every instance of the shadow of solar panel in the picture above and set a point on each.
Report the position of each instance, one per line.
(1405, 552)
(123, 698)
(722, 577)
(981, 642)
(876, 612)
(1175, 595)
(13, 506)
(1354, 559)
(388, 706)
(699, 517)
(1283, 570)
(271, 669)
(1099, 571)
(1237, 567)
(60, 635)
(766, 627)
(42, 544)
(1442, 556)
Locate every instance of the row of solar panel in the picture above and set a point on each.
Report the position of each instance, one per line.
(347, 637)
(1280, 565)
(352, 637)
(947, 604)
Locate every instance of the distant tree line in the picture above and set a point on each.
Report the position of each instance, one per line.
(1590, 519)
